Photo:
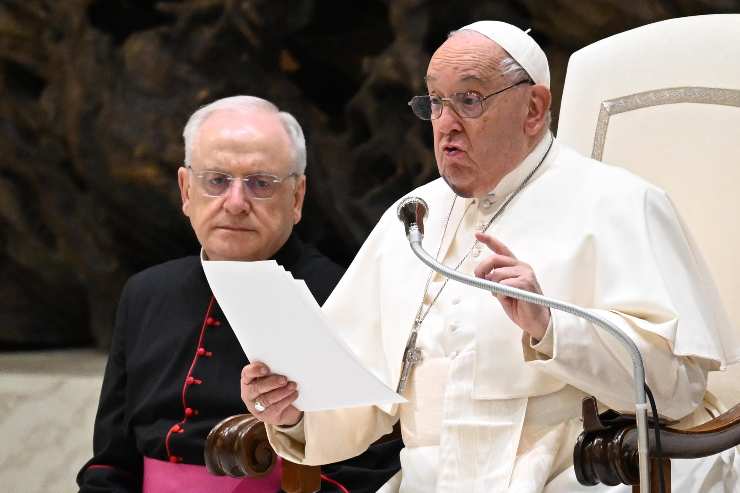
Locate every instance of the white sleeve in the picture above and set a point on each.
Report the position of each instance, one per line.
(650, 282)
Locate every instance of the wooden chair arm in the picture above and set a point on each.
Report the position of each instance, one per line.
(608, 454)
(238, 447)
(724, 421)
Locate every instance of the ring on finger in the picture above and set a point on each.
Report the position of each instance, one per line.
(259, 406)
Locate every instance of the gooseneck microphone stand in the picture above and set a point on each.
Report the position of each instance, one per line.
(413, 210)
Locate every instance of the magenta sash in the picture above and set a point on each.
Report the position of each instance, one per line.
(165, 477)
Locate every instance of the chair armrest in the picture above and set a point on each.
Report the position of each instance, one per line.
(607, 453)
(238, 447)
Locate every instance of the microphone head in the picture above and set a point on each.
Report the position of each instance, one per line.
(412, 211)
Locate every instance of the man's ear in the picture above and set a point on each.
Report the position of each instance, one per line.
(184, 183)
(298, 196)
(537, 109)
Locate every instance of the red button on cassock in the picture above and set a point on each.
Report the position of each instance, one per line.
(188, 411)
(201, 351)
(174, 459)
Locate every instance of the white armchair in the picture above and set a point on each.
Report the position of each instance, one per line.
(663, 100)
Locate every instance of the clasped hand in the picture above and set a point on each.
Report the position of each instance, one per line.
(269, 397)
(503, 267)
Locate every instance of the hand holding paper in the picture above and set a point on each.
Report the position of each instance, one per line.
(278, 322)
(270, 396)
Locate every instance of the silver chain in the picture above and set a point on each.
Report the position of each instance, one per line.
(419, 318)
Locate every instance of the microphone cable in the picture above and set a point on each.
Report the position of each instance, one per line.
(658, 453)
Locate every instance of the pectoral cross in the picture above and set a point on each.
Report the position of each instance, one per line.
(411, 356)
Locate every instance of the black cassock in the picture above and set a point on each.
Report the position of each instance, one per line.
(173, 373)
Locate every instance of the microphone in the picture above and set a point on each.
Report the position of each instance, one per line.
(413, 210)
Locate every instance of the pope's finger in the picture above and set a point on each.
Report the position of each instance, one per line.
(501, 274)
(252, 371)
(516, 282)
(279, 407)
(265, 385)
(494, 244)
(276, 395)
(491, 262)
(273, 414)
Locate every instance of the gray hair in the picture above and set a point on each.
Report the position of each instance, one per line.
(513, 72)
(247, 103)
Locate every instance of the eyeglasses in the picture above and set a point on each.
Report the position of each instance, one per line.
(466, 104)
(257, 186)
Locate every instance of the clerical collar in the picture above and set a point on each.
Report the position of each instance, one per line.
(514, 178)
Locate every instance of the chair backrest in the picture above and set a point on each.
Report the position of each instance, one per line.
(663, 100)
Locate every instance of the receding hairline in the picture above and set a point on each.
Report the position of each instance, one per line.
(248, 104)
(492, 55)
(243, 120)
(247, 113)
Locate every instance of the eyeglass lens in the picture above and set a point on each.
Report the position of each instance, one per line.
(215, 184)
(465, 103)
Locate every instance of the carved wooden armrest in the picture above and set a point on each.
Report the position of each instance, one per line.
(606, 451)
(238, 446)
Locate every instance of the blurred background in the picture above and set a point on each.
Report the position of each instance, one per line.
(94, 97)
(95, 94)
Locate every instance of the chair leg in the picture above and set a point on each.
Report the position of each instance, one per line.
(298, 478)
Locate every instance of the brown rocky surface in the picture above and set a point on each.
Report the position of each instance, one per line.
(95, 94)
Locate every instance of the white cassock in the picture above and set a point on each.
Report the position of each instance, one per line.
(488, 409)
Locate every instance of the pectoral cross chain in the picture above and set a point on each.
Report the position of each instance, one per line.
(411, 357)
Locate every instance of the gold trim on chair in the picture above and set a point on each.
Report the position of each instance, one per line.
(658, 97)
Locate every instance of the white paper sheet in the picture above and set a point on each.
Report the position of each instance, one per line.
(277, 321)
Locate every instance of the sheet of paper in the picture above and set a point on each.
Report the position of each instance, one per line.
(277, 321)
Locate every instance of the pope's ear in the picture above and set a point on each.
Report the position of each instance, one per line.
(298, 195)
(184, 183)
(538, 109)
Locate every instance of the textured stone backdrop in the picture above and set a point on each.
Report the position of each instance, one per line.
(95, 94)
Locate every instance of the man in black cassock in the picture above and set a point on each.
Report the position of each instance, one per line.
(174, 364)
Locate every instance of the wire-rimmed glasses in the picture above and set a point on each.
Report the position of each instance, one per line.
(257, 186)
(466, 104)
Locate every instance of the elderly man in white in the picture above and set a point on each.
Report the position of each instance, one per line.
(494, 404)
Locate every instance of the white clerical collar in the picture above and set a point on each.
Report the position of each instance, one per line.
(515, 177)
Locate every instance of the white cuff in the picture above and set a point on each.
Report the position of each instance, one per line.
(542, 349)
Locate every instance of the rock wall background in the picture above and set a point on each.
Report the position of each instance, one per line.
(95, 94)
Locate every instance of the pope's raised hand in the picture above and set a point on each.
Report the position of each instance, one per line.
(269, 397)
(503, 267)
